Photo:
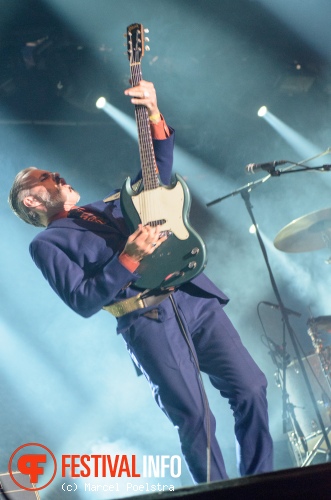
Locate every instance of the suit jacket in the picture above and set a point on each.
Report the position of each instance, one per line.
(79, 258)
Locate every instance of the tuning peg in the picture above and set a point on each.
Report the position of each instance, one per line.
(147, 48)
(146, 39)
(146, 30)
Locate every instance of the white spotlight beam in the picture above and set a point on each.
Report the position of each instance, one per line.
(299, 143)
(123, 120)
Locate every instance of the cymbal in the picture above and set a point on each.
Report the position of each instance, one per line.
(306, 233)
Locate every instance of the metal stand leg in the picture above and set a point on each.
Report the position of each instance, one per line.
(318, 449)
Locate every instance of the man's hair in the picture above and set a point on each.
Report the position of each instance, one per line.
(16, 196)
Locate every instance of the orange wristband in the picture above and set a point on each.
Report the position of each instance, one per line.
(128, 262)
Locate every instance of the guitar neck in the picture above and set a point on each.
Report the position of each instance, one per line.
(146, 150)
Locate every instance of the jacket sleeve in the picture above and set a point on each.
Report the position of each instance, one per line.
(85, 292)
(164, 150)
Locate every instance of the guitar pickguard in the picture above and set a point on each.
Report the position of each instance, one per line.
(164, 205)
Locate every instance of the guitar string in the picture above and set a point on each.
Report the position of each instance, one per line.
(150, 177)
(146, 153)
(142, 113)
(150, 161)
(135, 80)
(147, 142)
(146, 138)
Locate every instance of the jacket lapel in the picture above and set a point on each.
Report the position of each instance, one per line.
(110, 212)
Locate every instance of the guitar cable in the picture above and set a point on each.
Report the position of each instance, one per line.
(201, 384)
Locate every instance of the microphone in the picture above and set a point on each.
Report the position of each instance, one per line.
(276, 306)
(252, 168)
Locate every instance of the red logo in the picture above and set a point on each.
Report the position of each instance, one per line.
(33, 464)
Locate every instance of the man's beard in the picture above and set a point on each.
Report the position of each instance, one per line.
(51, 201)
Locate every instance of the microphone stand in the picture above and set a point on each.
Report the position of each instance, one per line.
(244, 191)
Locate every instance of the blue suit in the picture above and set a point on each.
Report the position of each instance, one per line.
(79, 259)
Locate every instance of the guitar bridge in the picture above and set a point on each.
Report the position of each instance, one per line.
(165, 233)
(160, 222)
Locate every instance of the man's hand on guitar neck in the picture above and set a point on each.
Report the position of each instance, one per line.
(145, 94)
(144, 241)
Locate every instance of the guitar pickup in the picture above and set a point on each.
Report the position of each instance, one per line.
(154, 223)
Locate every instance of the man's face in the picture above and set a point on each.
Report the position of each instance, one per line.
(51, 190)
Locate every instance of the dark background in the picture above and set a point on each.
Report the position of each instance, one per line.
(68, 382)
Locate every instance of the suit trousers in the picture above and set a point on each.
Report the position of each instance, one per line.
(161, 352)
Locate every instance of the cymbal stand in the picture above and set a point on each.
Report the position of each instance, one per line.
(245, 194)
(285, 317)
(291, 425)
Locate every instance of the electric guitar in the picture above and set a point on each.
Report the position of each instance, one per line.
(182, 256)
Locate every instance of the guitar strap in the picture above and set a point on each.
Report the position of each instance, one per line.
(112, 197)
(140, 301)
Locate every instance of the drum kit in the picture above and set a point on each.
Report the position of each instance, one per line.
(308, 439)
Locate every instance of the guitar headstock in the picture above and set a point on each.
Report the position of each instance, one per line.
(136, 42)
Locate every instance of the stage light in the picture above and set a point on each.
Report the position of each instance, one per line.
(252, 229)
(262, 111)
(101, 103)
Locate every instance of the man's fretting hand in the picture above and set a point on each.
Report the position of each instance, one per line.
(144, 93)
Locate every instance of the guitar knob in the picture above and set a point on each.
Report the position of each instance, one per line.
(192, 264)
(147, 48)
(146, 39)
(146, 30)
(195, 251)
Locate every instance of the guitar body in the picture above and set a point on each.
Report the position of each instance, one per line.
(182, 256)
